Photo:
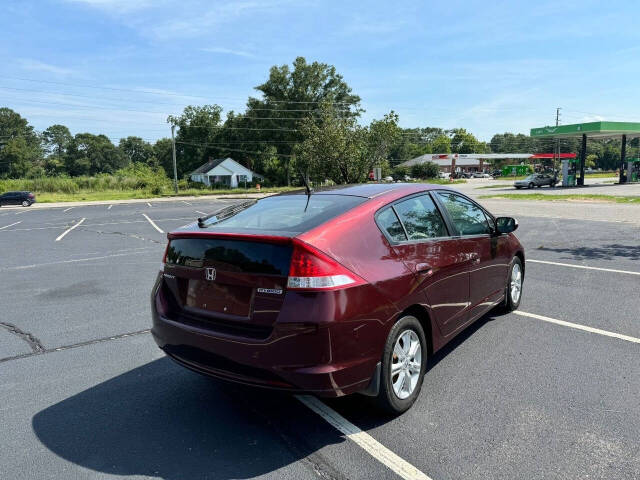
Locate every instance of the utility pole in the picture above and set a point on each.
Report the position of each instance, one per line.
(556, 160)
(175, 168)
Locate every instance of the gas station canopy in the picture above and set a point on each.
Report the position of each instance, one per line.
(591, 129)
(624, 130)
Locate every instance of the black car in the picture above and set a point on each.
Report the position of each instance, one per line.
(17, 198)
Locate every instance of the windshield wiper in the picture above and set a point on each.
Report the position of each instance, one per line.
(224, 213)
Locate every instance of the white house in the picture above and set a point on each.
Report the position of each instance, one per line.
(224, 171)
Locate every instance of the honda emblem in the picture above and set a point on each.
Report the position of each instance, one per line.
(210, 273)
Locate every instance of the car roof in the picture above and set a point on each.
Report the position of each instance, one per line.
(371, 190)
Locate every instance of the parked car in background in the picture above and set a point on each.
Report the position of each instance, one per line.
(444, 175)
(481, 175)
(348, 289)
(496, 173)
(26, 199)
(536, 180)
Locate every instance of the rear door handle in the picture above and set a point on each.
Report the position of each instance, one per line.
(424, 269)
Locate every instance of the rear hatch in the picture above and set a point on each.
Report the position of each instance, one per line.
(229, 272)
(233, 285)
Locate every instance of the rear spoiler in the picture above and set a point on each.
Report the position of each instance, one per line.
(231, 236)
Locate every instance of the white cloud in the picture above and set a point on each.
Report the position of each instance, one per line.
(228, 51)
(36, 65)
(116, 6)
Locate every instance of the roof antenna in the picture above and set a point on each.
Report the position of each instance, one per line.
(308, 190)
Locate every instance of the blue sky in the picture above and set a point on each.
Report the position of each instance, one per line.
(489, 67)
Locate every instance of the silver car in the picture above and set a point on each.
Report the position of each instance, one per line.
(536, 180)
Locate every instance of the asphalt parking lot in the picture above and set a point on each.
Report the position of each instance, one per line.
(551, 391)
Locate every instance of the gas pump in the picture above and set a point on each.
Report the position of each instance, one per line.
(569, 170)
(633, 170)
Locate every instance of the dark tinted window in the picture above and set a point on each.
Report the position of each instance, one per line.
(230, 255)
(467, 217)
(421, 218)
(289, 213)
(388, 221)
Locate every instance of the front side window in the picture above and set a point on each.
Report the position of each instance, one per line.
(421, 218)
(467, 218)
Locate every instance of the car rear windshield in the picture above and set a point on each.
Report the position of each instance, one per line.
(230, 255)
(288, 214)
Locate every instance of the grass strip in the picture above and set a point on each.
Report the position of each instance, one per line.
(568, 197)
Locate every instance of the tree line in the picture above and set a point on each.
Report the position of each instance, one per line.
(305, 122)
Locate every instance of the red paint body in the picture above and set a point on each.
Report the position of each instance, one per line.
(329, 342)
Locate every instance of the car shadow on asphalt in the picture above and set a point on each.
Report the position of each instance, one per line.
(605, 252)
(163, 421)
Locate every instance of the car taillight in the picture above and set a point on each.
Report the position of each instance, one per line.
(313, 270)
(31, 195)
(164, 257)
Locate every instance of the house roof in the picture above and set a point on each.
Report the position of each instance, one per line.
(213, 163)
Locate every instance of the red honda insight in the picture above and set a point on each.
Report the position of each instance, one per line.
(344, 290)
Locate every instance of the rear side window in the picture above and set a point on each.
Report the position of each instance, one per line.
(388, 221)
(467, 218)
(421, 218)
(290, 214)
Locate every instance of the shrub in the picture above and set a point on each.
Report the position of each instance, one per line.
(425, 170)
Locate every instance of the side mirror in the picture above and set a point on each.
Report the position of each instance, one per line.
(506, 224)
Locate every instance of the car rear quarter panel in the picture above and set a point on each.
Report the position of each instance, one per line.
(356, 242)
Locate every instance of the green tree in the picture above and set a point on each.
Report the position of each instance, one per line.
(19, 159)
(163, 152)
(90, 154)
(290, 95)
(464, 142)
(137, 151)
(56, 140)
(197, 136)
(20, 152)
(12, 125)
(381, 136)
(333, 148)
(441, 144)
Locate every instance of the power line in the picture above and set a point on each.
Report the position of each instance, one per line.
(233, 149)
(149, 92)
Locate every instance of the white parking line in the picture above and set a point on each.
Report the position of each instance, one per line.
(153, 224)
(201, 213)
(149, 204)
(7, 226)
(61, 236)
(77, 260)
(67, 209)
(571, 265)
(23, 211)
(370, 445)
(577, 326)
(186, 203)
(109, 207)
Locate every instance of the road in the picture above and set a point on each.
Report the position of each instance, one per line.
(593, 186)
(85, 393)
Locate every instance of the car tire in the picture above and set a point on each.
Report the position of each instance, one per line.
(25, 203)
(512, 299)
(399, 359)
(531, 185)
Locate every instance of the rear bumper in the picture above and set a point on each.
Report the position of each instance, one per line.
(295, 357)
(278, 363)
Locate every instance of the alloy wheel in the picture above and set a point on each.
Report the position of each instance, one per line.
(515, 285)
(406, 364)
